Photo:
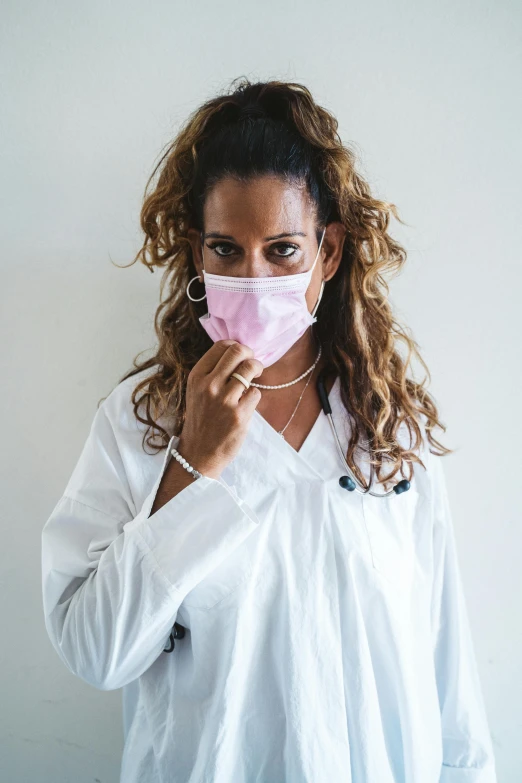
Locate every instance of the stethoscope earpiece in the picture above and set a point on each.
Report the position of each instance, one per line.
(402, 486)
(178, 632)
(347, 483)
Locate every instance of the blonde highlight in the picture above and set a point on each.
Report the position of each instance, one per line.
(355, 323)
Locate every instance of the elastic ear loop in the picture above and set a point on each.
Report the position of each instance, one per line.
(322, 281)
(318, 250)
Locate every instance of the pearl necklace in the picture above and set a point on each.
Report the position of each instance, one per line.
(291, 383)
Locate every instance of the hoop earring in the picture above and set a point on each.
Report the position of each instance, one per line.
(188, 292)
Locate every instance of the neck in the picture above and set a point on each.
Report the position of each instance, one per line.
(295, 361)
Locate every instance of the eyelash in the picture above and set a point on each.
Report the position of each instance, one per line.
(229, 255)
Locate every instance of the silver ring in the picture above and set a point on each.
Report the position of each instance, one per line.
(244, 381)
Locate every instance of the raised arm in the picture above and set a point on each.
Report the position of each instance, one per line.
(113, 580)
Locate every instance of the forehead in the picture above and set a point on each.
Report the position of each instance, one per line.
(262, 202)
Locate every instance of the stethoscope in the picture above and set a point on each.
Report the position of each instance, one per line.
(346, 482)
(349, 482)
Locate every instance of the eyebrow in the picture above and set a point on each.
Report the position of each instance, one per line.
(216, 235)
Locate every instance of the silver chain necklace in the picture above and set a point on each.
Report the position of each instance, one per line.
(281, 432)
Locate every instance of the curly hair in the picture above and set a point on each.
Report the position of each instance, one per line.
(276, 127)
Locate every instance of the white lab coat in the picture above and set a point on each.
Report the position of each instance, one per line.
(327, 636)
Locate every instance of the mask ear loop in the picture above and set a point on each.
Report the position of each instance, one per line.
(318, 299)
(322, 281)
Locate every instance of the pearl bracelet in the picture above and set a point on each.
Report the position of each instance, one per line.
(183, 462)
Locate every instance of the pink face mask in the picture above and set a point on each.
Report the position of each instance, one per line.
(269, 314)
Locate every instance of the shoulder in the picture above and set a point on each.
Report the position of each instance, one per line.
(119, 401)
(119, 409)
(113, 471)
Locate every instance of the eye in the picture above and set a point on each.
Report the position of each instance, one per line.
(220, 244)
(228, 247)
(284, 245)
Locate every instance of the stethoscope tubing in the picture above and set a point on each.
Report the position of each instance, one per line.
(178, 630)
(325, 403)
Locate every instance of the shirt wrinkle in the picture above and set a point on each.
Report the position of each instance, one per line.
(92, 508)
(326, 632)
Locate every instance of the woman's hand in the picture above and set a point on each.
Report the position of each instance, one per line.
(218, 407)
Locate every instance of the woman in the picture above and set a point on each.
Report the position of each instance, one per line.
(267, 618)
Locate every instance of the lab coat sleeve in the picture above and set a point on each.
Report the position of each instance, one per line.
(466, 741)
(113, 580)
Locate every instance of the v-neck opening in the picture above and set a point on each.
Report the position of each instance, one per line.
(315, 426)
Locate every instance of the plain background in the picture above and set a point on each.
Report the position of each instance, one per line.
(429, 96)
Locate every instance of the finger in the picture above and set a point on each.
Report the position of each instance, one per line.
(250, 399)
(248, 369)
(209, 359)
(230, 360)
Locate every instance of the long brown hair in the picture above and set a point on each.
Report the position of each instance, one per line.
(276, 127)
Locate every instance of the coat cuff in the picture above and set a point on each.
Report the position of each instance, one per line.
(195, 530)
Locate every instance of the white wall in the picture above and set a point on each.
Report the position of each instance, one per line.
(90, 94)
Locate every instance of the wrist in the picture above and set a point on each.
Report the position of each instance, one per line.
(196, 461)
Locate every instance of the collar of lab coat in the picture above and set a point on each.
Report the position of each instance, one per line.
(266, 458)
